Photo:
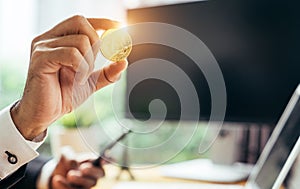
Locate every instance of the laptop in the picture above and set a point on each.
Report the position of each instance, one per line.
(273, 165)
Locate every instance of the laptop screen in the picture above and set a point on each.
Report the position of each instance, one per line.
(279, 146)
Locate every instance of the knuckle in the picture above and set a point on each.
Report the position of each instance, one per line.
(84, 42)
(76, 59)
(64, 52)
(36, 54)
(71, 52)
(37, 44)
(78, 19)
(35, 41)
(83, 38)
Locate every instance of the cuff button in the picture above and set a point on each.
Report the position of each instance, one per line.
(12, 158)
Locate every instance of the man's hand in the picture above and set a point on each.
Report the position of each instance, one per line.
(70, 174)
(61, 73)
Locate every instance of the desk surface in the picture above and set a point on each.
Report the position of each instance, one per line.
(141, 175)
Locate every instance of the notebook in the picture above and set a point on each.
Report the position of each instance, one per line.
(273, 165)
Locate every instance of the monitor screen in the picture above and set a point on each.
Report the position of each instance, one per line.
(255, 43)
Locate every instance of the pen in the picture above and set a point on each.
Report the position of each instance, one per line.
(96, 162)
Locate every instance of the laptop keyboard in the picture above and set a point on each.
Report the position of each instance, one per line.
(206, 170)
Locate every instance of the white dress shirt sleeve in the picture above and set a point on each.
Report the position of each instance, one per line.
(46, 172)
(15, 150)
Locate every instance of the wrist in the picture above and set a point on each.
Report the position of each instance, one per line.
(23, 123)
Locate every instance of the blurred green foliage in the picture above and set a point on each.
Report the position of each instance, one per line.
(12, 81)
(72, 120)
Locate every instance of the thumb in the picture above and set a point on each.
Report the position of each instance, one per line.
(66, 162)
(108, 74)
(68, 158)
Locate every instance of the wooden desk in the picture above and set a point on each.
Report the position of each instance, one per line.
(141, 175)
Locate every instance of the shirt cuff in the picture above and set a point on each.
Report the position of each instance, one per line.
(45, 174)
(15, 150)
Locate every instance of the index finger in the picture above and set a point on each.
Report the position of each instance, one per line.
(80, 25)
(103, 24)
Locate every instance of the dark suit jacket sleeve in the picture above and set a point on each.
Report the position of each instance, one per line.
(13, 178)
(32, 172)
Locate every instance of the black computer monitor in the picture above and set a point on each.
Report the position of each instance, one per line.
(256, 44)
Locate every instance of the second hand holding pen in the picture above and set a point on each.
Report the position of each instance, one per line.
(97, 161)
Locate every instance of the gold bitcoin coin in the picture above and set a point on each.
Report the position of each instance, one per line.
(116, 44)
